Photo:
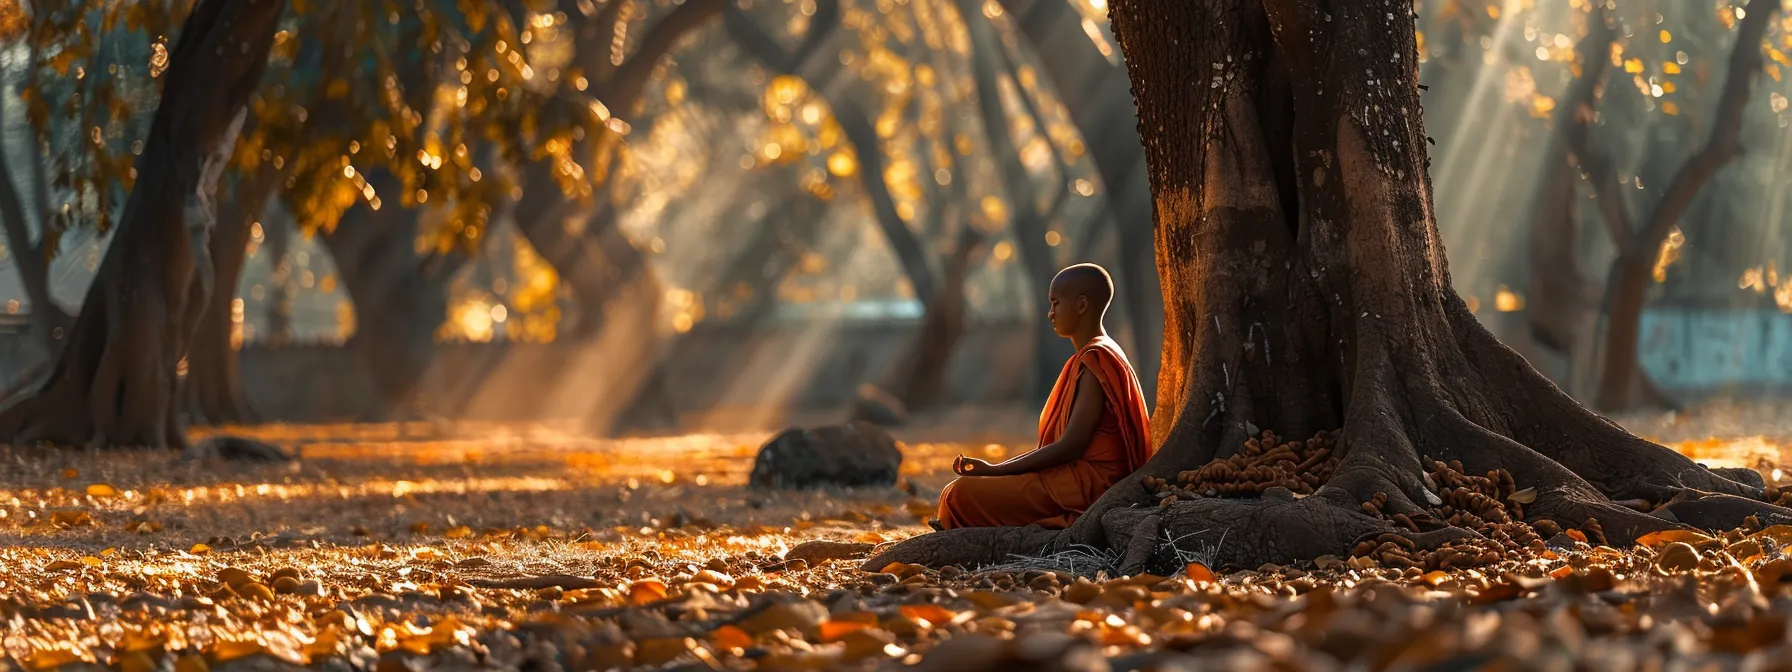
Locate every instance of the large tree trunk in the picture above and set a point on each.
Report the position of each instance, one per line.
(115, 382)
(1306, 290)
(400, 298)
(921, 382)
(214, 384)
(1622, 384)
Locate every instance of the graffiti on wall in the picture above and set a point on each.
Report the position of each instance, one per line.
(1708, 348)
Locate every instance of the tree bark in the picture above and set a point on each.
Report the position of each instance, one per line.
(280, 285)
(1620, 387)
(115, 382)
(400, 297)
(1558, 291)
(1307, 290)
(48, 321)
(214, 383)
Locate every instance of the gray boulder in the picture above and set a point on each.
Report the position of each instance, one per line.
(852, 455)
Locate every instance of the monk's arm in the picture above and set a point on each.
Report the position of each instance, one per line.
(1085, 412)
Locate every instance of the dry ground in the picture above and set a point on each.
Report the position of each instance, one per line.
(427, 546)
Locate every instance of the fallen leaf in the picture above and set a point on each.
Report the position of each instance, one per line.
(832, 631)
(934, 614)
(661, 650)
(1664, 537)
(1524, 496)
(199, 549)
(63, 565)
(731, 637)
(68, 519)
(458, 532)
(1200, 574)
(802, 615)
(102, 490)
(1576, 535)
(646, 592)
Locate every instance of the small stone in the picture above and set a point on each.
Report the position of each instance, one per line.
(286, 585)
(1676, 557)
(1278, 493)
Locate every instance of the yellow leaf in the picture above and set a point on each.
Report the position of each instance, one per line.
(63, 565)
(91, 561)
(109, 552)
(646, 592)
(199, 549)
(102, 490)
(458, 532)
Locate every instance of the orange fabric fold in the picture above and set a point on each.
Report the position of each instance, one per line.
(1053, 498)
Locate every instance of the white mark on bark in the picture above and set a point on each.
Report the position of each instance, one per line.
(1249, 335)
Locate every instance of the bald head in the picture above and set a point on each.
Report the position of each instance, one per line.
(1079, 298)
(1087, 280)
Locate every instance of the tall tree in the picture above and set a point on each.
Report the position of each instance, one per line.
(115, 382)
(1622, 383)
(1306, 290)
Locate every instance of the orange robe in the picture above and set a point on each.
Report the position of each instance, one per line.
(1053, 498)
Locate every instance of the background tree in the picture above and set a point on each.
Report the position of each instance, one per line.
(115, 381)
(1307, 290)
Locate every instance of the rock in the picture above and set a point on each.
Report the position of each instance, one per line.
(853, 455)
(817, 552)
(878, 407)
(1676, 557)
(1278, 493)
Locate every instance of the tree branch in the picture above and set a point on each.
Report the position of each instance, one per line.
(624, 87)
(1575, 123)
(862, 136)
(1726, 128)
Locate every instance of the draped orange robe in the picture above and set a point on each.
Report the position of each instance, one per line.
(1054, 497)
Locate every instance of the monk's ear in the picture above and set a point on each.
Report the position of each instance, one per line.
(1082, 303)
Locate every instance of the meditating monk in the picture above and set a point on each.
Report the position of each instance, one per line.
(1092, 433)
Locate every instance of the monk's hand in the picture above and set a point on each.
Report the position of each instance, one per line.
(971, 466)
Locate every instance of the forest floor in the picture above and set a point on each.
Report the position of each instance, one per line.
(468, 546)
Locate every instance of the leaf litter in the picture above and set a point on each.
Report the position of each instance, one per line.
(481, 547)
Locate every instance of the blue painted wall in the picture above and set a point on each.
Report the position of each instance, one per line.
(1701, 349)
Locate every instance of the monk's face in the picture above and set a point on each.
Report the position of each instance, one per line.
(1068, 308)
